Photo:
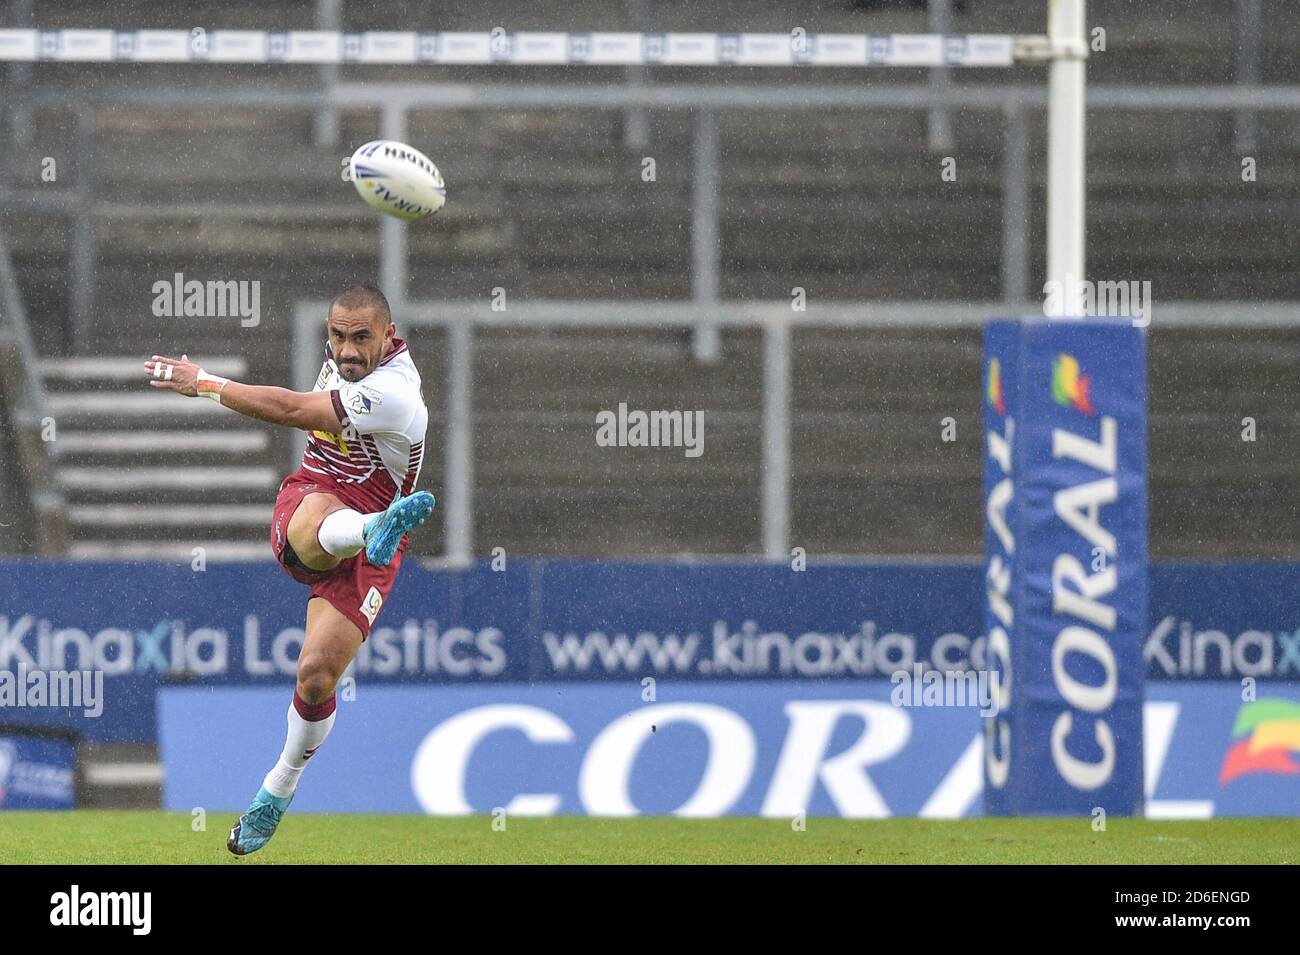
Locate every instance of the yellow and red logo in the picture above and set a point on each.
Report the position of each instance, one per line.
(996, 400)
(1268, 736)
(1069, 388)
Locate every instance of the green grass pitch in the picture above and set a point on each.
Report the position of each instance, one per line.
(115, 837)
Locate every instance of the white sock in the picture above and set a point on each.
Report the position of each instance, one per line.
(304, 738)
(340, 533)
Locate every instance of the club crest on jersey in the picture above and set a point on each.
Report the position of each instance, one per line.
(362, 400)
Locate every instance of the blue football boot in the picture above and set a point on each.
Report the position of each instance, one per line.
(385, 530)
(256, 826)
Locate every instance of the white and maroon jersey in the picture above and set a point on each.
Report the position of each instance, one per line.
(376, 457)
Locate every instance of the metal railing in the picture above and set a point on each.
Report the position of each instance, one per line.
(394, 102)
(29, 413)
(777, 320)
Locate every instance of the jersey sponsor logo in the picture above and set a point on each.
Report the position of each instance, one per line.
(339, 441)
(334, 439)
(370, 606)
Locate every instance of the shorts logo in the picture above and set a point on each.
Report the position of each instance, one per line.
(370, 606)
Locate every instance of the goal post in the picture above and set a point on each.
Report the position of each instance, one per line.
(1066, 141)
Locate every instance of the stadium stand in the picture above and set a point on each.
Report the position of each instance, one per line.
(547, 204)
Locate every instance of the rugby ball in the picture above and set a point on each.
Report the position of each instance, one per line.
(397, 180)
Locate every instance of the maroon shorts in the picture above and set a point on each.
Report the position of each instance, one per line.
(355, 588)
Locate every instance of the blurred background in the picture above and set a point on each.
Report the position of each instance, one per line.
(231, 172)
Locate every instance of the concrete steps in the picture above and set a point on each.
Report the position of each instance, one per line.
(153, 475)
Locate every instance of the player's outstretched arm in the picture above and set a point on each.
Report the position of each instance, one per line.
(308, 411)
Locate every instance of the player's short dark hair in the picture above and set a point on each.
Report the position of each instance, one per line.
(363, 296)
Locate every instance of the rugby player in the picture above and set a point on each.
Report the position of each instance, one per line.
(341, 520)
